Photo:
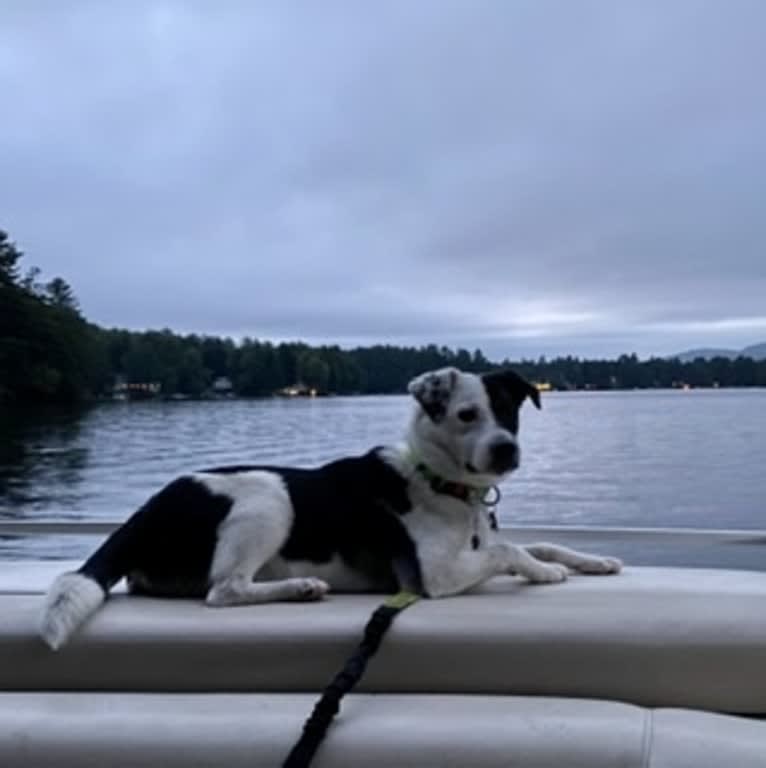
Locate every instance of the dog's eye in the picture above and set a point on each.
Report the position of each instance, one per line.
(467, 415)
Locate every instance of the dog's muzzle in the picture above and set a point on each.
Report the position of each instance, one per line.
(504, 456)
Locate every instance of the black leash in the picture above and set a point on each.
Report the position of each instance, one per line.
(315, 728)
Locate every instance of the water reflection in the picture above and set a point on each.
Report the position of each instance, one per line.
(40, 447)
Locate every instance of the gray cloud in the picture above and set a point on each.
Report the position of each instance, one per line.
(530, 177)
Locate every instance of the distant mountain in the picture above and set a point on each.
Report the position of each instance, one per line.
(706, 353)
(756, 351)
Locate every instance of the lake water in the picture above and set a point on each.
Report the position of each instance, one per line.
(654, 458)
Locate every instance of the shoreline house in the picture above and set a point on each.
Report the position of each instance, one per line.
(222, 387)
(297, 390)
(135, 390)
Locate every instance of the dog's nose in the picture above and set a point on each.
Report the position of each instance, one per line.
(504, 455)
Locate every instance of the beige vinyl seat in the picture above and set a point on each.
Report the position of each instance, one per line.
(651, 668)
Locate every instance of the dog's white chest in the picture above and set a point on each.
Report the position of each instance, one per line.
(446, 530)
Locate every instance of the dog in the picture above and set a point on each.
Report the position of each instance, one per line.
(411, 516)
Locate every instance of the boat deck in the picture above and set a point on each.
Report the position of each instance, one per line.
(657, 666)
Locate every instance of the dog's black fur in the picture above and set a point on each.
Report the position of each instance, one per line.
(166, 548)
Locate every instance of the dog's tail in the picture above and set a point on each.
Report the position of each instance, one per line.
(72, 598)
(75, 597)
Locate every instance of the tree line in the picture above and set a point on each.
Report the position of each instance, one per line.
(49, 352)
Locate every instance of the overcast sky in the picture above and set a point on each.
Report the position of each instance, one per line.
(530, 177)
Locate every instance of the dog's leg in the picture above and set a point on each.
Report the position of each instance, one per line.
(525, 564)
(240, 589)
(246, 543)
(578, 561)
(471, 568)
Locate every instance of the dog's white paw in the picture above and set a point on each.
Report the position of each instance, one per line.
(600, 565)
(548, 573)
(311, 589)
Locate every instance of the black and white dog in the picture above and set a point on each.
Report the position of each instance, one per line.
(412, 516)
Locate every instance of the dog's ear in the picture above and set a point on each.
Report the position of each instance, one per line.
(516, 386)
(433, 391)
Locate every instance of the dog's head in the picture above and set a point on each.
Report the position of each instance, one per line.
(466, 425)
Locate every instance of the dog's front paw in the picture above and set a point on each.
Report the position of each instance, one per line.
(311, 589)
(548, 573)
(600, 565)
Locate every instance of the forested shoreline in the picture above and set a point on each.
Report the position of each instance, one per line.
(49, 353)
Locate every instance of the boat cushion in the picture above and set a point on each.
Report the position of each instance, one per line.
(653, 637)
(416, 731)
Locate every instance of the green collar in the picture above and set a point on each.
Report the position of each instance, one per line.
(488, 496)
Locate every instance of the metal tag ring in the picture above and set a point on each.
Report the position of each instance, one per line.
(494, 499)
